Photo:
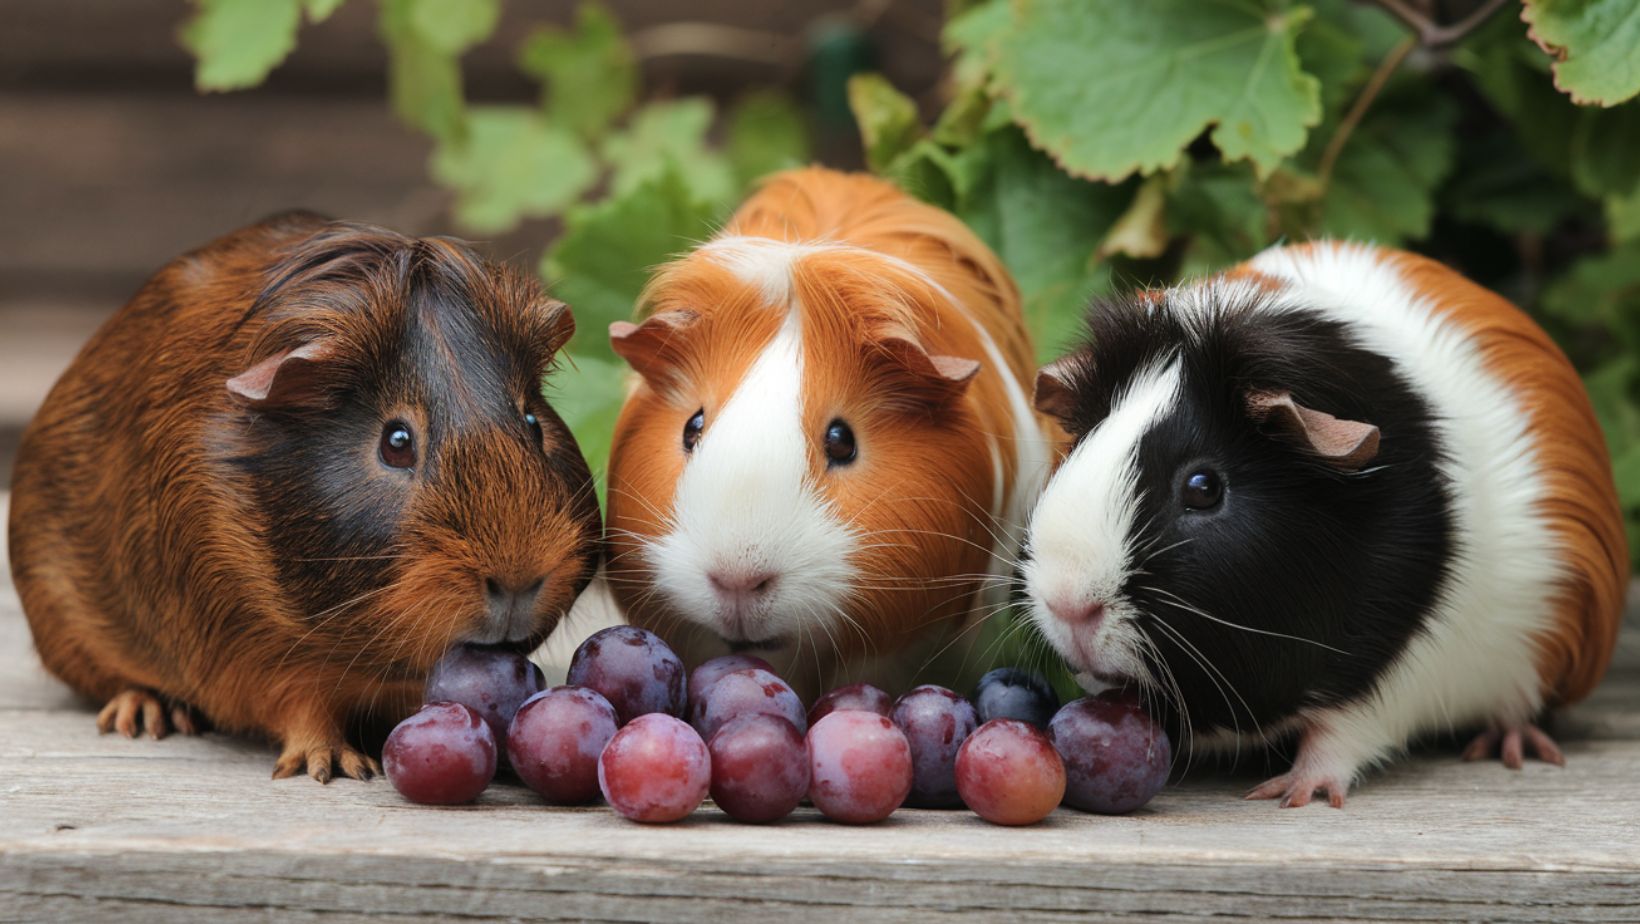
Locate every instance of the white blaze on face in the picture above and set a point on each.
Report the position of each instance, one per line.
(745, 504)
(1077, 542)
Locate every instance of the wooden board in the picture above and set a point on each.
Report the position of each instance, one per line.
(193, 829)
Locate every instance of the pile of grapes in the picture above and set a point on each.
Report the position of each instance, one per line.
(653, 741)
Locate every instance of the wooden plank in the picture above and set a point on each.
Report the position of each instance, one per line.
(192, 829)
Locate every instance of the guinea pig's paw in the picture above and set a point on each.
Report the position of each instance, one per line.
(323, 758)
(137, 709)
(1510, 742)
(1299, 785)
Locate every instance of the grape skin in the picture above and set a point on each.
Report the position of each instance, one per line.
(1116, 756)
(443, 755)
(760, 768)
(738, 693)
(859, 767)
(655, 769)
(554, 742)
(1009, 773)
(936, 721)
(633, 669)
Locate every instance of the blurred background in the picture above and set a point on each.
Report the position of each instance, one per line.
(1097, 145)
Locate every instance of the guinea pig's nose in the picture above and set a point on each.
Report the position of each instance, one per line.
(1077, 612)
(506, 593)
(732, 583)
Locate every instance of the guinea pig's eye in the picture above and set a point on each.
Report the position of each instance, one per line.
(534, 423)
(1202, 490)
(692, 428)
(398, 447)
(840, 445)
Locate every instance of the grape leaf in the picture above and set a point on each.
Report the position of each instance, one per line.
(1218, 207)
(968, 39)
(512, 163)
(320, 10)
(1047, 227)
(609, 248)
(1110, 88)
(887, 119)
(590, 76)
(1594, 45)
(670, 136)
(454, 27)
(766, 133)
(587, 393)
(1383, 185)
(237, 43)
(424, 82)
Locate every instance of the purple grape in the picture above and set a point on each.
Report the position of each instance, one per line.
(1116, 756)
(760, 767)
(708, 672)
(1010, 693)
(737, 693)
(554, 743)
(859, 767)
(936, 721)
(442, 755)
(858, 696)
(655, 769)
(492, 681)
(1009, 773)
(633, 669)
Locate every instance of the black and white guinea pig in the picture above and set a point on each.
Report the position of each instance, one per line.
(1339, 493)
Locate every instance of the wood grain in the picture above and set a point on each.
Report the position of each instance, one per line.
(193, 829)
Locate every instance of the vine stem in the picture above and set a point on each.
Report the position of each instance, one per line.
(1432, 34)
(1363, 102)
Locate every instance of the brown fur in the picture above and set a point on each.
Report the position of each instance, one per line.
(258, 563)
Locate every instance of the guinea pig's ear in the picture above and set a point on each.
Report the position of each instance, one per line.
(1055, 391)
(1347, 445)
(934, 379)
(293, 378)
(652, 347)
(556, 326)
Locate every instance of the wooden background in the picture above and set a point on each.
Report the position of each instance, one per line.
(112, 164)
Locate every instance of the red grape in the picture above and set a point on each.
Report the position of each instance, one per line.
(493, 682)
(745, 691)
(442, 755)
(860, 767)
(1009, 773)
(1116, 756)
(708, 672)
(936, 721)
(1010, 693)
(655, 769)
(633, 669)
(860, 696)
(760, 767)
(554, 743)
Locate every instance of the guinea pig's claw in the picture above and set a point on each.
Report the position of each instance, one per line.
(324, 759)
(1296, 790)
(131, 710)
(1511, 743)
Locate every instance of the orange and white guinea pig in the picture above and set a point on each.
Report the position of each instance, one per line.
(1339, 493)
(831, 449)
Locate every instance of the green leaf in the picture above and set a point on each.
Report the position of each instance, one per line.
(1602, 292)
(1047, 228)
(1383, 185)
(1623, 217)
(1594, 45)
(1626, 469)
(969, 38)
(887, 118)
(670, 136)
(1141, 232)
(423, 80)
(1497, 183)
(1111, 87)
(1605, 150)
(320, 10)
(766, 133)
(608, 250)
(454, 27)
(590, 76)
(239, 42)
(587, 392)
(510, 164)
(1218, 207)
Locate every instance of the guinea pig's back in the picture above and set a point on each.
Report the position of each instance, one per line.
(1565, 467)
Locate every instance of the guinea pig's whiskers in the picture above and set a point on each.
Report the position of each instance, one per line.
(1216, 675)
(1175, 600)
(324, 617)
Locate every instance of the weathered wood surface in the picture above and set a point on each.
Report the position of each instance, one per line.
(193, 829)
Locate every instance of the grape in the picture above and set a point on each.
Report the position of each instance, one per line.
(861, 696)
(1116, 756)
(442, 755)
(859, 767)
(655, 769)
(1009, 773)
(708, 672)
(554, 743)
(633, 669)
(1010, 693)
(760, 767)
(745, 691)
(935, 721)
(493, 682)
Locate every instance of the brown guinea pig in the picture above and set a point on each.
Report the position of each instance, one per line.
(301, 463)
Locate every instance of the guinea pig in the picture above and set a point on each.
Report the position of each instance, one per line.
(830, 447)
(302, 462)
(1339, 493)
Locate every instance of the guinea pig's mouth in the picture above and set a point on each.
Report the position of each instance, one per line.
(741, 645)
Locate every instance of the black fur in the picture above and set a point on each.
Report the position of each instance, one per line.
(1350, 561)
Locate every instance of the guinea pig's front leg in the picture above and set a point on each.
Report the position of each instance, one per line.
(1326, 763)
(310, 735)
